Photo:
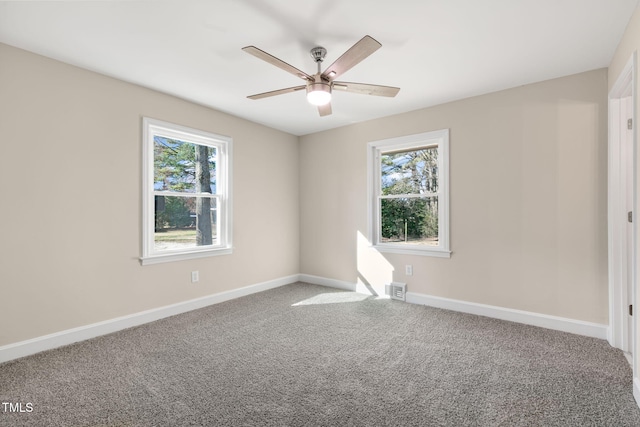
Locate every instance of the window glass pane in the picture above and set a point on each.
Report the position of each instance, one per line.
(409, 220)
(183, 166)
(410, 172)
(184, 222)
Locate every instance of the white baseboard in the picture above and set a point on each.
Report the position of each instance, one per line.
(636, 390)
(578, 327)
(595, 330)
(332, 283)
(58, 339)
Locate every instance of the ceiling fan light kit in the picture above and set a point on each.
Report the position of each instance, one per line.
(319, 93)
(320, 85)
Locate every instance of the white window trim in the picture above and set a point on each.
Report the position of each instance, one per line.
(224, 145)
(374, 150)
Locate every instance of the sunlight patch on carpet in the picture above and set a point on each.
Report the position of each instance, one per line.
(333, 298)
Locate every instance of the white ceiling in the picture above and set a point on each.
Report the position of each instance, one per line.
(434, 50)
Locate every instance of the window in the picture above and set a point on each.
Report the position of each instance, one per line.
(187, 193)
(409, 194)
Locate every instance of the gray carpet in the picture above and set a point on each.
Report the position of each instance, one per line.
(305, 355)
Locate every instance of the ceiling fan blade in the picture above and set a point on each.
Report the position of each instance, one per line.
(324, 110)
(277, 92)
(356, 53)
(277, 62)
(366, 89)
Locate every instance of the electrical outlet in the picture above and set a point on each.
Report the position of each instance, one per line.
(195, 276)
(408, 270)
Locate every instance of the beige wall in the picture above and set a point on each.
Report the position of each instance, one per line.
(528, 200)
(70, 169)
(629, 44)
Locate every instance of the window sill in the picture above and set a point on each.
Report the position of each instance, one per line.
(404, 250)
(157, 259)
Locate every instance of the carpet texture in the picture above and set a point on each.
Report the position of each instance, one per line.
(306, 355)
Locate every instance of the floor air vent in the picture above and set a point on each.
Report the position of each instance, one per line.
(397, 290)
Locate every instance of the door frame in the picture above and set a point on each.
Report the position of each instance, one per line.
(618, 332)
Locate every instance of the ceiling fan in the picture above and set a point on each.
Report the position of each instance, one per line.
(320, 85)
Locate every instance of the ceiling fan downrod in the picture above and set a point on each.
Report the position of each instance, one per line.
(318, 53)
(319, 90)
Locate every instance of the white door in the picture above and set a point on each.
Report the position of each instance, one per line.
(626, 140)
(621, 201)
